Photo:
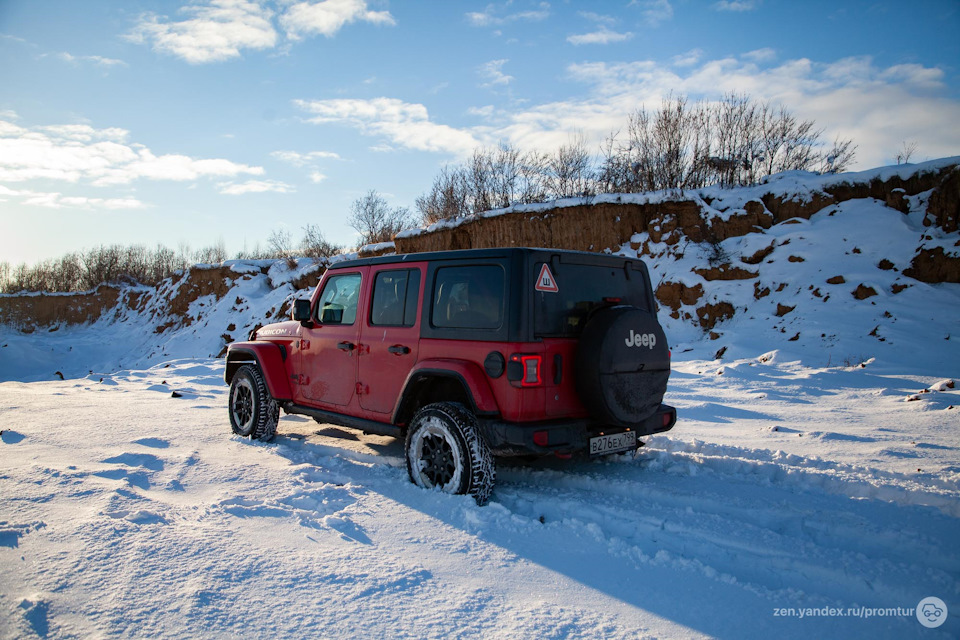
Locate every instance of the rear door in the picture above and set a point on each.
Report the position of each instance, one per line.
(567, 288)
(390, 334)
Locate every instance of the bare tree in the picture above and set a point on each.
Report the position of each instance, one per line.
(315, 245)
(280, 243)
(480, 180)
(906, 152)
(448, 197)
(839, 157)
(214, 254)
(569, 171)
(375, 221)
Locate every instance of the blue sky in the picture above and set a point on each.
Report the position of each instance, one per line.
(147, 121)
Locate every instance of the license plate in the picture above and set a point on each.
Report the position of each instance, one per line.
(602, 445)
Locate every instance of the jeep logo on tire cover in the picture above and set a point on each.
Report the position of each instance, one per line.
(648, 340)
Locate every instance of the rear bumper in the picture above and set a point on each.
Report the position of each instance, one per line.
(563, 437)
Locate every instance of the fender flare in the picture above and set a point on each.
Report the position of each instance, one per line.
(266, 355)
(469, 374)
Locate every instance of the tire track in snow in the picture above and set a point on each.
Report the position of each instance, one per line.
(777, 539)
(802, 473)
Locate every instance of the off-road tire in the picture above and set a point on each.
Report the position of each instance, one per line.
(444, 450)
(253, 411)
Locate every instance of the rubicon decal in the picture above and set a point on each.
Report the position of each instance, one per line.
(648, 340)
(273, 332)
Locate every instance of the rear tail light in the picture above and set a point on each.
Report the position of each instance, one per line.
(541, 438)
(525, 369)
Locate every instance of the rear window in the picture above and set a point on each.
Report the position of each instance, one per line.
(468, 297)
(576, 289)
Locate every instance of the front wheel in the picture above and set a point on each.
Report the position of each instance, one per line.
(253, 411)
(445, 451)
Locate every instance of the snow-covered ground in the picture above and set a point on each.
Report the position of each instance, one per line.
(128, 512)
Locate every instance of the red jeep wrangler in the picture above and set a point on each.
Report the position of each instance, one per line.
(469, 355)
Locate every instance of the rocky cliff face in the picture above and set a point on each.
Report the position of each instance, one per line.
(666, 226)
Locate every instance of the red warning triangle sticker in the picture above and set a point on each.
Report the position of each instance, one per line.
(546, 281)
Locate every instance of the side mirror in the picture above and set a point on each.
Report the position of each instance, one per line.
(301, 312)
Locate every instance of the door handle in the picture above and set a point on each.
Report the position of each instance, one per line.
(346, 346)
(399, 349)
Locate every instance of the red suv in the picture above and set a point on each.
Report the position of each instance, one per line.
(468, 355)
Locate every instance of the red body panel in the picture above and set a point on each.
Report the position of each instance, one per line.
(270, 358)
(559, 363)
(473, 376)
(515, 404)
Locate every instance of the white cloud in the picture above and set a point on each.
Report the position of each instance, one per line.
(254, 186)
(174, 167)
(598, 18)
(316, 177)
(401, 123)
(217, 31)
(98, 60)
(489, 18)
(687, 59)
(737, 6)
(760, 55)
(329, 16)
(56, 200)
(877, 107)
(84, 132)
(482, 112)
(601, 36)
(298, 159)
(493, 73)
(80, 153)
(655, 11)
(914, 74)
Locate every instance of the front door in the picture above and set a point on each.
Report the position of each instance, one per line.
(390, 335)
(330, 349)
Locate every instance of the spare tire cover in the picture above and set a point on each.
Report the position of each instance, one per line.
(623, 363)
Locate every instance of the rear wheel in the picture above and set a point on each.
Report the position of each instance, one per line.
(445, 451)
(253, 412)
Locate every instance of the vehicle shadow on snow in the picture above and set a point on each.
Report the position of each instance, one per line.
(643, 531)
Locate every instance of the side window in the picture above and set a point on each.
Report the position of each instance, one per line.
(338, 302)
(395, 298)
(468, 297)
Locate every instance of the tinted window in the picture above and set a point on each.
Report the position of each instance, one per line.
(395, 297)
(469, 297)
(580, 289)
(338, 302)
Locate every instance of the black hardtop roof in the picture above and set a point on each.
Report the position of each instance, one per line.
(466, 254)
